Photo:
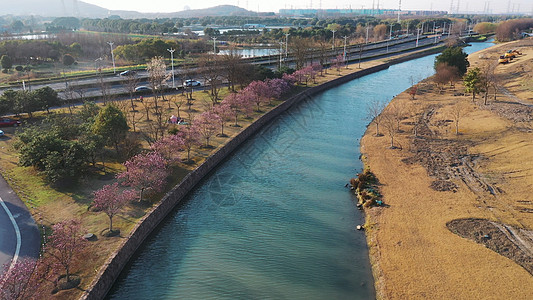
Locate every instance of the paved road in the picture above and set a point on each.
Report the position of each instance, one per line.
(19, 235)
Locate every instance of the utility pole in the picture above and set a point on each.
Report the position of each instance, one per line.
(214, 45)
(344, 53)
(399, 9)
(366, 40)
(434, 34)
(417, 36)
(280, 53)
(172, 63)
(287, 44)
(333, 46)
(112, 57)
(390, 34)
(360, 54)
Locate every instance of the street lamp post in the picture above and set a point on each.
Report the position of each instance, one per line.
(344, 50)
(96, 64)
(333, 46)
(214, 45)
(287, 44)
(172, 63)
(417, 36)
(390, 34)
(434, 33)
(112, 57)
(280, 53)
(366, 39)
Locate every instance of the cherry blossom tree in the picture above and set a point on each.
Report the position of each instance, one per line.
(259, 92)
(234, 102)
(191, 138)
(278, 87)
(23, 279)
(65, 244)
(146, 172)
(290, 79)
(169, 147)
(111, 200)
(224, 112)
(206, 123)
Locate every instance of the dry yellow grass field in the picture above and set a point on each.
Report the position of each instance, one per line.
(414, 254)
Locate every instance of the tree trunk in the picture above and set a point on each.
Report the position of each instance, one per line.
(377, 129)
(456, 127)
(110, 223)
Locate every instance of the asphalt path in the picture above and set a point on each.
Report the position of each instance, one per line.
(19, 234)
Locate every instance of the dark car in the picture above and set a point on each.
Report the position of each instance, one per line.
(6, 122)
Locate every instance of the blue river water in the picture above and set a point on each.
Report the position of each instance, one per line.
(275, 221)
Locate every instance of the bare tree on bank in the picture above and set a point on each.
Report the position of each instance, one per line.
(374, 109)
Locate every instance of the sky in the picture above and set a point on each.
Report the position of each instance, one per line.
(523, 6)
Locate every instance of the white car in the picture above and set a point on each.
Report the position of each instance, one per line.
(190, 82)
(1, 133)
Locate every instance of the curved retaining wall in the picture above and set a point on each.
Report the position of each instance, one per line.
(114, 265)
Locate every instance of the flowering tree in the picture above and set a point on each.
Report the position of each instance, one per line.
(22, 280)
(146, 172)
(64, 244)
(224, 112)
(234, 102)
(259, 92)
(110, 200)
(206, 123)
(289, 78)
(278, 87)
(168, 147)
(191, 138)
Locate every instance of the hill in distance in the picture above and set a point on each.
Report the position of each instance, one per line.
(80, 9)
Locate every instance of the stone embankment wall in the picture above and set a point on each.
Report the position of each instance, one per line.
(116, 262)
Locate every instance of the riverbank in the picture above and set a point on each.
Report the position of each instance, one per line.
(438, 180)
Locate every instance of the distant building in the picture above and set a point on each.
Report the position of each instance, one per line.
(353, 12)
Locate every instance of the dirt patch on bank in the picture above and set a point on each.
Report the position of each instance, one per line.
(513, 243)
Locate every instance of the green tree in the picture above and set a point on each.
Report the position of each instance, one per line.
(46, 98)
(111, 124)
(453, 56)
(6, 62)
(68, 60)
(473, 82)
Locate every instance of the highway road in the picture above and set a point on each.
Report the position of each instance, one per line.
(19, 235)
(116, 84)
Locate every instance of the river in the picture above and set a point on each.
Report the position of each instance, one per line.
(275, 221)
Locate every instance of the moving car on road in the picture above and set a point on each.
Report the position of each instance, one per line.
(190, 82)
(128, 73)
(6, 122)
(142, 88)
(1, 133)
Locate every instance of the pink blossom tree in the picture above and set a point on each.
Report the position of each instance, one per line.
(278, 87)
(238, 103)
(65, 245)
(169, 147)
(111, 200)
(259, 92)
(290, 79)
(224, 112)
(146, 172)
(207, 123)
(191, 138)
(23, 279)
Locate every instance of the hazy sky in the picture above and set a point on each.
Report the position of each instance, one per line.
(524, 6)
